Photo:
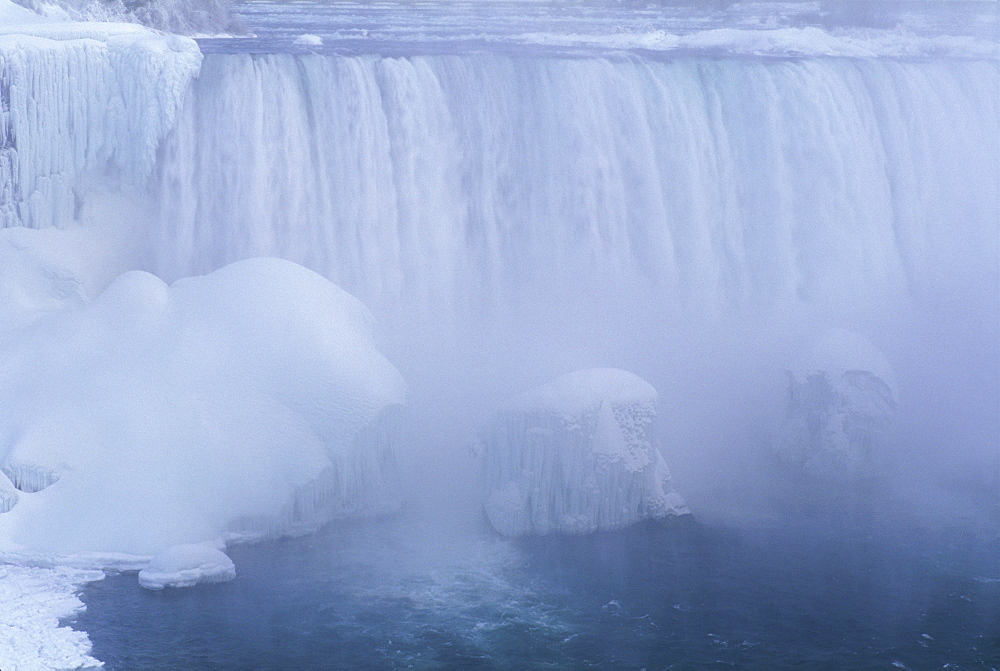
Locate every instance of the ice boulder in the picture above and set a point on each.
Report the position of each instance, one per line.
(248, 402)
(840, 407)
(576, 455)
(186, 566)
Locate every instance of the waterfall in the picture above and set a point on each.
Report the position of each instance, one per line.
(711, 184)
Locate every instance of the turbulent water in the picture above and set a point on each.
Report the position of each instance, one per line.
(520, 189)
(817, 592)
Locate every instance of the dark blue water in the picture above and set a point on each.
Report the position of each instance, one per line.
(818, 590)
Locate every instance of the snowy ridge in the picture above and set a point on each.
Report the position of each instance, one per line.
(578, 460)
(586, 389)
(81, 104)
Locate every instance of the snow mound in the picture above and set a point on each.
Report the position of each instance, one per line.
(244, 403)
(840, 408)
(576, 455)
(32, 602)
(187, 566)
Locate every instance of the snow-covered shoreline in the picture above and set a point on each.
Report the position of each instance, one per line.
(33, 601)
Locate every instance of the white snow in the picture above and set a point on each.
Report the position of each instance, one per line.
(247, 402)
(841, 403)
(186, 566)
(583, 390)
(32, 602)
(309, 40)
(576, 455)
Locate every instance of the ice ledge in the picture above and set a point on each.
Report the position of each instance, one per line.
(187, 566)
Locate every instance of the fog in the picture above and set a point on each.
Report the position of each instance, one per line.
(628, 224)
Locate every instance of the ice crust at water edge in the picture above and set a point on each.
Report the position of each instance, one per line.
(247, 402)
(186, 566)
(576, 455)
(32, 602)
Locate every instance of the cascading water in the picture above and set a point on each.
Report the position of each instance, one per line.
(719, 183)
(562, 211)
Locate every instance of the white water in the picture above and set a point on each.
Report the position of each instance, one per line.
(718, 182)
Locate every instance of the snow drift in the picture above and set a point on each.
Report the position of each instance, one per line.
(247, 402)
(576, 455)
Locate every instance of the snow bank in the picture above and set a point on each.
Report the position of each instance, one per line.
(841, 402)
(32, 602)
(81, 104)
(187, 566)
(247, 402)
(575, 456)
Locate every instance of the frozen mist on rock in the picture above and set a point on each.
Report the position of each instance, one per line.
(690, 203)
(576, 455)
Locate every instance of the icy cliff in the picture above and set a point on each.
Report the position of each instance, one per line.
(575, 456)
(248, 402)
(83, 107)
(841, 402)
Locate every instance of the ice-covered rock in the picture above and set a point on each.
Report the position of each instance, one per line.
(81, 104)
(186, 566)
(841, 402)
(576, 455)
(248, 402)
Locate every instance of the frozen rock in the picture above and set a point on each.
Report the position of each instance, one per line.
(80, 104)
(841, 402)
(576, 455)
(186, 566)
(244, 403)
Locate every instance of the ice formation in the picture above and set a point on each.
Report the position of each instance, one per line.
(186, 566)
(81, 105)
(33, 600)
(247, 402)
(841, 402)
(576, 455)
